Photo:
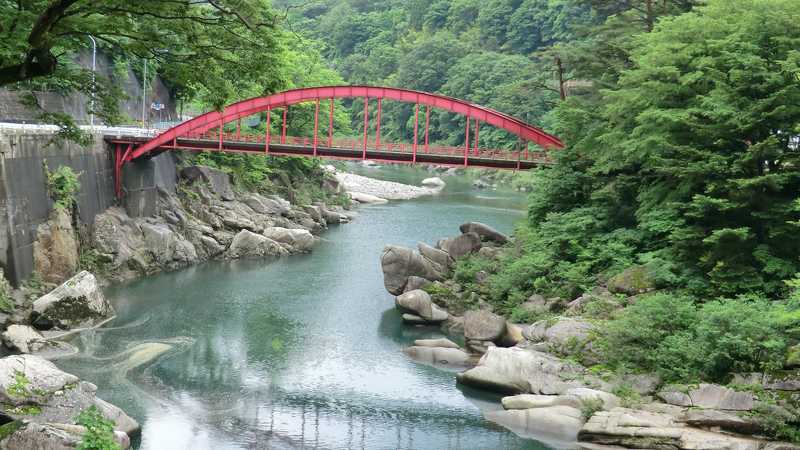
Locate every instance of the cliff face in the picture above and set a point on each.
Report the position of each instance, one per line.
(76, 105)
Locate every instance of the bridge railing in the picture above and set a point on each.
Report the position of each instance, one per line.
(372, 145)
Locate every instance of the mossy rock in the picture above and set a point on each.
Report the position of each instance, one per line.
(631, 281)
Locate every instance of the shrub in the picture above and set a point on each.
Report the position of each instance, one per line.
(466, 268)
(589, 406)
(62, 186)
(99, 431)
(682, 341)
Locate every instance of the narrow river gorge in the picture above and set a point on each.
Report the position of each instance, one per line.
(298, 352)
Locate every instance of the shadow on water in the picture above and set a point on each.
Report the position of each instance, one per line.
(298, 352)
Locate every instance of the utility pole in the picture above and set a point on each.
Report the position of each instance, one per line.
(94, 68)
(144, 94)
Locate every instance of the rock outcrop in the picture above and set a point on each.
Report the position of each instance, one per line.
(47, 400)
(485, 232)
(518, 371)
(77, 303)
(55, 250)
(419, 303)
(201, 222)
(400, 263)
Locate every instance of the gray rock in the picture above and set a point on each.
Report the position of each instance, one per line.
(555, 426)
(53, 436)
(169, 250)
(441, 356)
(26, 339)
(59, 396)
(399, 263)
(709, 396)
(784, 381)
(643, 429)
(434, 254)
(483, 326)
(462, 245)
(719, 397)
(247, 244)
(631, 281)
(299, 240)
(441, 342)
(727, 420)
(218, 181)
(78, 302)
(484, 231)
(415, 282)
(517, 371)
(55, 250)
(419, 303)
(41, 379)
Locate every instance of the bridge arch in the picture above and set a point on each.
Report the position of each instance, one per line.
(214, 119)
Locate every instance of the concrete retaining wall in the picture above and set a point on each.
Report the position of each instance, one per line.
(25, 203)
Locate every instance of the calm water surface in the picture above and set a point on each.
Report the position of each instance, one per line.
(298, 352)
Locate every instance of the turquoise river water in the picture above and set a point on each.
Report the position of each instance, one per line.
(303, 352)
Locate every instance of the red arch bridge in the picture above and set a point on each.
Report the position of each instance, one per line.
(207, 132)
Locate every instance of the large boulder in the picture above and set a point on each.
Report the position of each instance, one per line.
(247, 244)
(77, 303)
(399, 263)
(564, 336)
(434, 254)
(55, 250)
(52, 436)
(517, 370)
(441, 356)
(267, 206)
(461, 246)
(46, 396)
(555, 426)
(709, 396)
(632, 428)
(26, 339)
(168, 249)
(218, 181)
(631, 281)
(420, 304)
(485, 232)
(483, 326)
(298, 239)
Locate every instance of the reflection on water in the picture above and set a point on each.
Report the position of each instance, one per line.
(299, 352)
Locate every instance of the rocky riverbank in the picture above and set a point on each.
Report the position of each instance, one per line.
(552, 393)
(370, 190)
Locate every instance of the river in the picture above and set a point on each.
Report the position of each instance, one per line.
(297, 352)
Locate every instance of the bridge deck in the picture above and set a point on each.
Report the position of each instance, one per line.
(351, 150)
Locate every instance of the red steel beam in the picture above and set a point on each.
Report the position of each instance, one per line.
(268, 132)
(378, 126)
(330, 126)
(366, 124)
(316, 126)
(466, 144)
(427, 125)
(416, 123)
(204, 122)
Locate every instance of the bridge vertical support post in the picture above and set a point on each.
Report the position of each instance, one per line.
(466, 144)
(330, 126)
(283, 130)
(427, 125)
(238, 129)
(477, 136)
(416, 126)
(221, 129)
(118, 171)
(268, 131)
(378, 126)
(316, 126)
(366, 126)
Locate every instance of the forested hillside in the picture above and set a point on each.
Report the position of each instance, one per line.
(680, 173)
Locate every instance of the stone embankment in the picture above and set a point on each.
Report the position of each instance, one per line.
(549, 396)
